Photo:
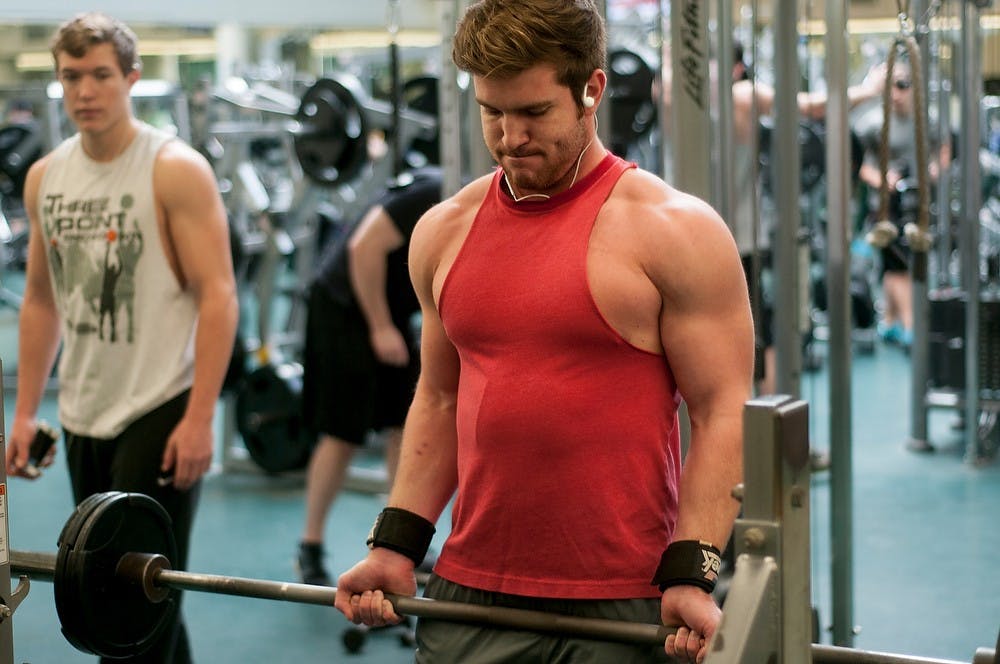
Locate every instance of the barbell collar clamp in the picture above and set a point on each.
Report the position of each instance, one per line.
(144, 570)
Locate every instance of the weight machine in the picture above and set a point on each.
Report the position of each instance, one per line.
(959, 362)
(20, 146)
(288, 165)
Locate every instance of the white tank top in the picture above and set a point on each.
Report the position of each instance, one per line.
(127, 326)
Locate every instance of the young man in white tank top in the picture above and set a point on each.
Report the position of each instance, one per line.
(128, 269)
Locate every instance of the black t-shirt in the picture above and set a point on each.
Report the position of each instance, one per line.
(405, 201)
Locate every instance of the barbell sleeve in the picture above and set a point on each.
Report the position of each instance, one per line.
(37, 565)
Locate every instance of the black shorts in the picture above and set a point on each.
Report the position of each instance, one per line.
(131, 462)
(896, 257)
(346, 392)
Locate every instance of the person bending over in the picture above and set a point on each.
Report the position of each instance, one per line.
(360, 364)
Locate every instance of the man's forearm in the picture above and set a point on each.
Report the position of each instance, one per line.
(368, 281)
(38, 342)
(712, 468)
(427, 475)
(814, 105)
(213, 350)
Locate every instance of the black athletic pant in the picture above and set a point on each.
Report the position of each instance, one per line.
(131, 462)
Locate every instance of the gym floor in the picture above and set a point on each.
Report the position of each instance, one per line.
(926, 540)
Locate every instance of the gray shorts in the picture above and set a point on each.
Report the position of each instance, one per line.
(440, 642)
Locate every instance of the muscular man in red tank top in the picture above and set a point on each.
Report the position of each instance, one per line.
(570, 302)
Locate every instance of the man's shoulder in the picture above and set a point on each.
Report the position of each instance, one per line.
(57, 154)
(38, 167)
(469, 197)
(174, 155)
(171, 147)
(61, 150)
(657, 215)
(642, 189)
(452, 216)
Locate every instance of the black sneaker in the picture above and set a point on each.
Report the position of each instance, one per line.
(310, 564)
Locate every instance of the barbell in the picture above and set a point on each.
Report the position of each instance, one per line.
(115, 590)
(812, 154)
(331, 122)
(630, 91)
(332, 133)
(329, 125)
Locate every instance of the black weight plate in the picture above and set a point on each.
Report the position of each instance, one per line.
(332, 144)
(100, 612)
(20, 147)
(630, 88)
(812, 158)
(269, 417)
(812, 153)
(10, 136)
(65, 593)
(421, 94)
(237, 365)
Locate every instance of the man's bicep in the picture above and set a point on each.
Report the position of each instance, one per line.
(195, 220)
(707, 332)
(36, 272)
(439, 363)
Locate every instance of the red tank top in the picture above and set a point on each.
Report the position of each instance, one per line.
(568, 446)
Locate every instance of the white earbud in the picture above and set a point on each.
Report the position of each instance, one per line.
(588, 101)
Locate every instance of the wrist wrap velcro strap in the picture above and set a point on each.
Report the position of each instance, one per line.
(402, 531)
(688, 562)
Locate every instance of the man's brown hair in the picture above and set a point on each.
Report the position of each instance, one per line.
(503, 38)
(84, 31)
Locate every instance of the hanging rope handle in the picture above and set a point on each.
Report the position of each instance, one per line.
(918, 234)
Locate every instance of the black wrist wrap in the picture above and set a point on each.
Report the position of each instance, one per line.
(402, 531)
(688, 562)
